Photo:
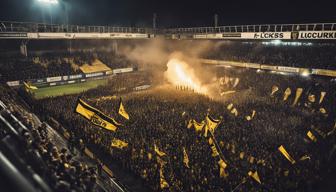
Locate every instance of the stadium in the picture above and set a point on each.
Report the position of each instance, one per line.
(155, 107)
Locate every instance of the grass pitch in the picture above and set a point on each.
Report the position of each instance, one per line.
(67, 89)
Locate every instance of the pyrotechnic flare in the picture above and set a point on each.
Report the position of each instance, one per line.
(179, 73)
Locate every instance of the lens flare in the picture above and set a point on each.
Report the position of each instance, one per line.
(179, 73)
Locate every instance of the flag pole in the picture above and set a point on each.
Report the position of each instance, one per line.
(237, 187)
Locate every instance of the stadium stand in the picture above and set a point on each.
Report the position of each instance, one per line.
(34, 157)
(274, 131)
(165, 125)
(17, 67)
(313, 55)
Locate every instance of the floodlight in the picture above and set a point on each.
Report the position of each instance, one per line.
(276, 42)
(51, 2)
(305, 74)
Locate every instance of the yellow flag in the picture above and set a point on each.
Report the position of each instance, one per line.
(255, 176)
(234, 111)
(297, 96)
(285, 153)
(122, 110)
(158, 152)
(322, 96)
(323, 110)
(241, 155)
(222, 166)
(185, 158)
(250, 117)
(163, 182)
(118, 144)
(274, 89)
(149, 155)
(229, 107)
(29, 87)
(251, 159)
(287, 93)
(95, 116)
(199, 126)
(311, 136)
(305, 157)
(236, 82)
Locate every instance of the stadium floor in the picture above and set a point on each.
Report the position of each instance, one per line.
(67, 89)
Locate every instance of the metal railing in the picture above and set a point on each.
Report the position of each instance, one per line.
(255, 28)
(7, 26)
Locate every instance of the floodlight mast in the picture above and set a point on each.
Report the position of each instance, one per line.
(49, 4)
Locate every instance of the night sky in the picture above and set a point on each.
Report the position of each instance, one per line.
(172, 13)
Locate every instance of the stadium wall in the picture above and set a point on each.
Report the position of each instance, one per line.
(296, 35)
(70, 79)
(256, 66)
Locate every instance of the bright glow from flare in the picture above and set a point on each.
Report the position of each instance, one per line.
(53, 2)
(179, 73)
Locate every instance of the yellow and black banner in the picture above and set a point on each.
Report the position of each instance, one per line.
(215, 153)
(211, 124)
(95, 116)
(118, 144)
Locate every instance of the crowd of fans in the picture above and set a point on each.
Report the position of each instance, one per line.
(50, 64)
(56, 165)
(313, 55)
(160, 116)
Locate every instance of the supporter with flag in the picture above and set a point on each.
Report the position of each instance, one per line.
(95, 116)
(211, 124)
